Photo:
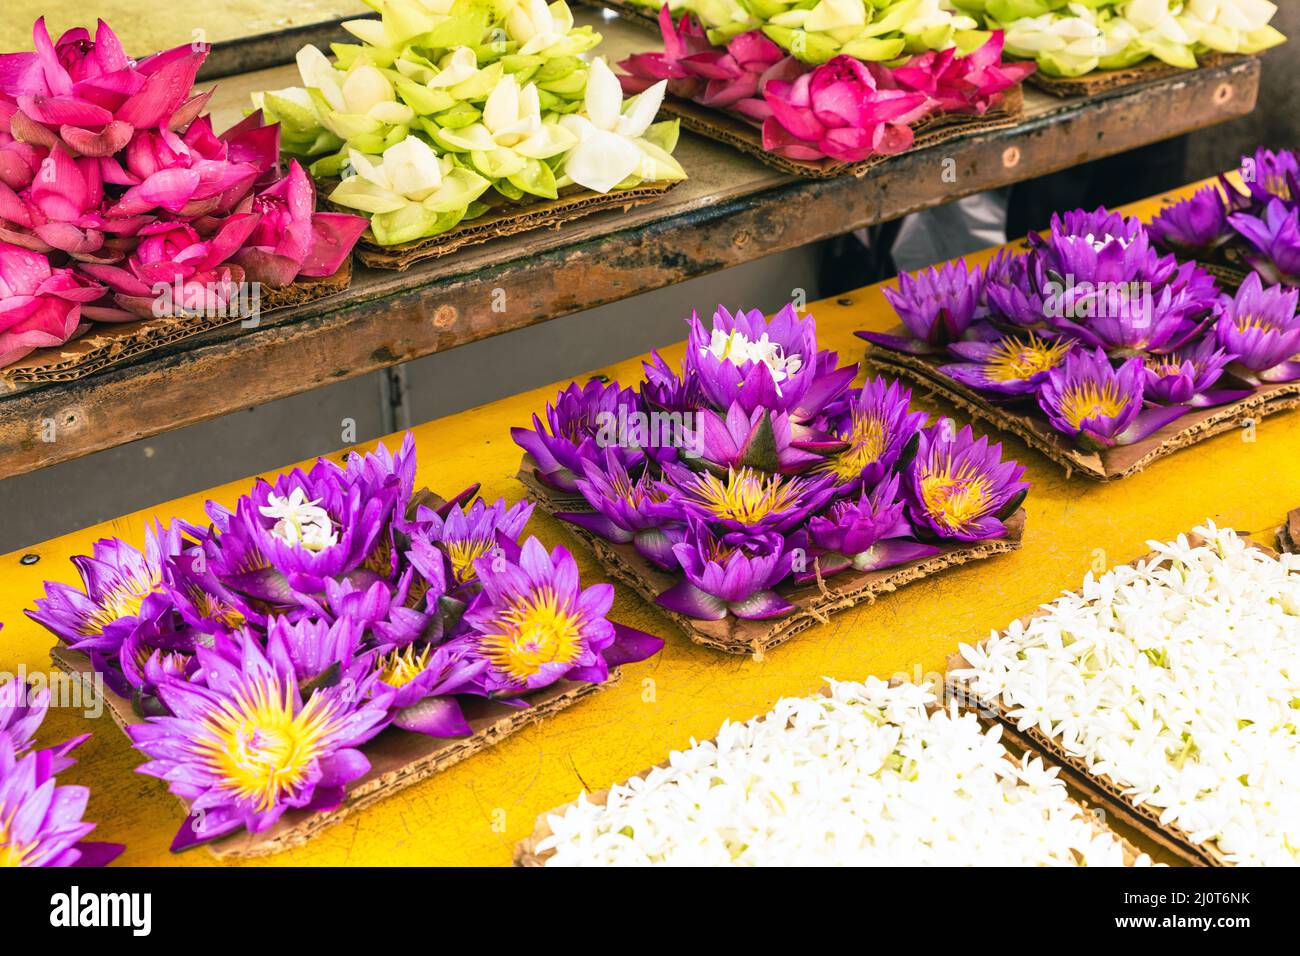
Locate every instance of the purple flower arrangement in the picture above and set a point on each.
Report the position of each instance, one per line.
(1096, 331)
(118, 201)
(1258, 228)
(40, 820)
(263, 652)
(755, 467)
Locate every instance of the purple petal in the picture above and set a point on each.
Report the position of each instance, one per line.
(685, 598)
(630, 646)
(434, 717)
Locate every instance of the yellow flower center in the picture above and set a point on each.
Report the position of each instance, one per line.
(1015, 360)
(13, 853)
(464, 553)
(1253, 323)
(746, 496)
(124, 600)
(533, 632)
(212, 608)
(954, 499)
(867, 436)
(400, 667)
(258, 747)
(1085, 400)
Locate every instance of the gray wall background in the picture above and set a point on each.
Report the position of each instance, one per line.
(75, 494)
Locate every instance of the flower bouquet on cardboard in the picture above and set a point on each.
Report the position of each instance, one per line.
(1070, 40)
(448, 109)
(261, 660)
(119, 201)
(841, 108)
(1232, 229)
(1092, 345)
(753, 483)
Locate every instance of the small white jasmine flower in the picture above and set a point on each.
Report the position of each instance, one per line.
(301, 523)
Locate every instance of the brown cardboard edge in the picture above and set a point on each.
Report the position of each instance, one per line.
(526, 853)
(1102, 81)
(815, 603)
(392, 770)
(509, 219)
(1288, 536)
(739, 133)
(1113, 464)
(1101, 788)
(119, 342)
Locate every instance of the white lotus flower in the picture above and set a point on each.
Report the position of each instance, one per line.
(357, 101)
(510, 133)
(538, 26)
(409, 191)
(1232, 26)
(611, 144)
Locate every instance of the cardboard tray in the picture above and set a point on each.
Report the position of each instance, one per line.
(526, 854)
(397, 759)
(107, 344)
(507, 218)
(1288, 536)
(1110, 464)
(815, 602)
(739, 132)
(1103, 81)
(1100, 789)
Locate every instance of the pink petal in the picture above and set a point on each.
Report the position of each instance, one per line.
(163, 92)
(114, 136)
(333, 236)
(63, 110)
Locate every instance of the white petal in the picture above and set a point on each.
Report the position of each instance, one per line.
(318, 73)
(602, 161)
(604, 98)
(642, 110)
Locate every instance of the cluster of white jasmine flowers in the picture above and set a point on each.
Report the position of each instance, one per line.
(871, 775)
(301, 523)
(737, 347)
(1179, 679)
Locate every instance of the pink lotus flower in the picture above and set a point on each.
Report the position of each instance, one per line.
(963, 84)
(172, 257)
(60, 209)
(291, 238)
(837, 110)
(90, 97)
(730, 78)
(39, 306)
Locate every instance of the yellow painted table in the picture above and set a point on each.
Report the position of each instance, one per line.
(474, 813)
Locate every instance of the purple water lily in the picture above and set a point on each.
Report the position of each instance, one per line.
(1188, 376)
(242, 745)
(731, 574)
(1099, 406)
(424, 680)
(539, 625)
(937, 306)
(957, 488)
(467, 534)
(875, 423)
(581, 420)
(867, 535)
(1275, 238)
(628, 511)
(1012, 291)
(1260, 327)
(748, 500)
(1272, 175)
(1094, 250)
(1196, 227)
(42, 821)
(758, 363)
(760, 439)
(1013, 365)
(120, 585)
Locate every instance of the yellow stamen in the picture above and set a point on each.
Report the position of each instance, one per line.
(954, 499)
(13, 853)
(533, 632)
(867, 436)
(124, 600)
(1085, 400)
(258, 747)
(463, 553)
(746, 496)
(1015, 360)
(212, 608)
(400, 667)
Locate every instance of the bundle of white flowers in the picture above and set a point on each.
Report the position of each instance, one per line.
(1179, 679)
(869, 775)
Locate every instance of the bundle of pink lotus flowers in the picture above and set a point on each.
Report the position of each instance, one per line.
(844, 109)
(118, 200)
